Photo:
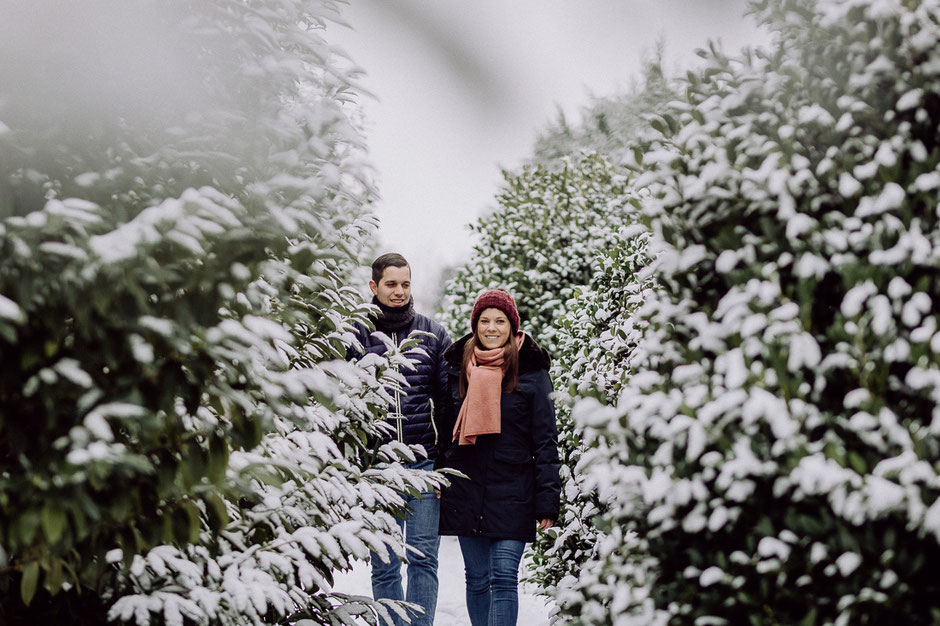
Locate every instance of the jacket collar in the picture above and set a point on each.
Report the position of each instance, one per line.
(392, 319)
(532, 356)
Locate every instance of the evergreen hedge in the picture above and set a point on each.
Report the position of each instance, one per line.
(180, 440)
(773, 456)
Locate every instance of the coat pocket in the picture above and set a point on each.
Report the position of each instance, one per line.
(511, 477)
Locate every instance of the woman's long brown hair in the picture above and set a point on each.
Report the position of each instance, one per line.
(510, 365)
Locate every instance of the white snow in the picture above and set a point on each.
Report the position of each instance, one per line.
(451, 602)
(856, 398)
(771, 547)
(927, 182)
(890, 198)
(816, 474)
(811, 265)
(799, 224)
(848, 562)
(11, 310)
(932, 519)
(848, 186)
(72, 370)
(160, 326)
(657, 486)
(710, 576)
(726, 261)
(856, 297)
(910, 99)
(815, 114)
(883, 495)
(898, 287)
(804, 351)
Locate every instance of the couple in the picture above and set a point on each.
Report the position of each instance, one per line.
(481, 406)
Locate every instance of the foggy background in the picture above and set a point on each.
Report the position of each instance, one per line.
(455, 90)
(461, 89)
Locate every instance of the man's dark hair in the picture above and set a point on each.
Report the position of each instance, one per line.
(392, 259)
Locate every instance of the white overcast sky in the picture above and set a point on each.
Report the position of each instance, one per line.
(461, 89)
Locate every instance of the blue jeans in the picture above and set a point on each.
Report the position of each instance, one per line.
(420, 531)
(492, 568)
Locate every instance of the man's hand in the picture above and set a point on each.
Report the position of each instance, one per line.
(546, 523)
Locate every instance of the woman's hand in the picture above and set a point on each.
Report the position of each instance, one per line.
(545, 524)
(437, 492)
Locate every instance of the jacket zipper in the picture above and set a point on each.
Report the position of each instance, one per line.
(398, 414)
(433, 423)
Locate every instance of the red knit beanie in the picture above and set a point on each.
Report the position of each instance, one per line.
(497, 299)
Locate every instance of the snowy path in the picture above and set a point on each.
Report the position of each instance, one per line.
(451, 606)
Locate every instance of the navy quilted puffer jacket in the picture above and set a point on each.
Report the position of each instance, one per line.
(422, 403)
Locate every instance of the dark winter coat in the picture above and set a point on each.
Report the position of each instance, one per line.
(419, 403)
(513, 475)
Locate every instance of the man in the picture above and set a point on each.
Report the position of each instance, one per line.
(414, 413)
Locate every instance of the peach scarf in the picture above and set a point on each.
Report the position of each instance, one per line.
(479, 414)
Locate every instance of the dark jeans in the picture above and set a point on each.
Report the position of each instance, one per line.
(492, 568)
(420, 531)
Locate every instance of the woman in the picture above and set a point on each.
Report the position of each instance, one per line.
(505, 441)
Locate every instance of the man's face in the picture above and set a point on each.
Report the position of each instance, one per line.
(394, 288)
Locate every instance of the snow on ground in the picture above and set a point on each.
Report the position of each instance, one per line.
(451, 605)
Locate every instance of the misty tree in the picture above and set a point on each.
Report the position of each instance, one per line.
(567, 241)
(596, 332)
(183, 202)
(772, 456)
(610, 125)
(541, 241)
(559, 210)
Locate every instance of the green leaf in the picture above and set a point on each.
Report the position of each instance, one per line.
(29, 582)
(192, 467)
(24, 527)
(166, 531)
(53, 582)
(218, 459)
(638, 155)
(857, 462)
(658, 124)
(809, 619)
(79, 523)
(53, 522)
(29, 359)
(216, 512)
(193, 519)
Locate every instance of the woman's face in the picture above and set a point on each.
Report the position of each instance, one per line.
(493, 328)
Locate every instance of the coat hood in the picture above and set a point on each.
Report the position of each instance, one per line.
(532, 356)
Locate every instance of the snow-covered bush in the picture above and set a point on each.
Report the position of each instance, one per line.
(541, 241)
(565, 239)
(177, 441)
(595, 339)
(773, 456)
(300, 506)
(558, 232)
